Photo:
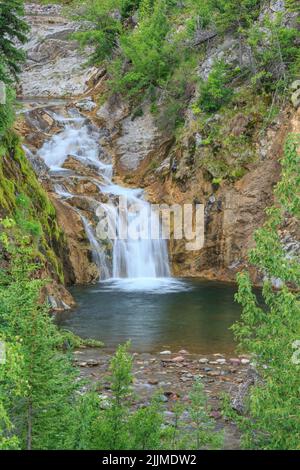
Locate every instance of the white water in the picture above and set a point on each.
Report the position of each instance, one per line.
(97, 250)
(135, 257)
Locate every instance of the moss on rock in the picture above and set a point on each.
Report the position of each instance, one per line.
(20, 191)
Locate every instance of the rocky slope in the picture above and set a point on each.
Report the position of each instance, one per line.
(230, 163)
(181, 171)
(20, 192)
(55, 70)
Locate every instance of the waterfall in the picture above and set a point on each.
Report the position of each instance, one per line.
(99, 257)
(135, 257)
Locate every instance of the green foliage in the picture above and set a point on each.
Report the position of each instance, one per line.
(106, 18)
(235, 15)
(275, 54)
(224, 15)
(68, 340)
(22, 197)
(214, 92)
(204, 434)
(178, 90)
(12, 28)
(11, 376)
(292, 5)
(105, 31)
(148, 55)
(128, 7)
(111, 423)
(7, 114)
(271, 332)
(153, 60)
(229, 138)
(40, 408)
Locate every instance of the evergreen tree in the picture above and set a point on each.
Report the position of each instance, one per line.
(270, 333)
(12, 387)
(42, 410)
(147, 53)
(215, 92)
(12, 29)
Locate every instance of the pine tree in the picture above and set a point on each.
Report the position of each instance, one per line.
(42, 411)
(12, 29)
(271, 332)
(11, 388)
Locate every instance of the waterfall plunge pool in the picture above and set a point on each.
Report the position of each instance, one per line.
(156, 314)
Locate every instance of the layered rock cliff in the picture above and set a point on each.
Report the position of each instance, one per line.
(230, 162)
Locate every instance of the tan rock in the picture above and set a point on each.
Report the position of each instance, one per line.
(78, 264)
(71, 163)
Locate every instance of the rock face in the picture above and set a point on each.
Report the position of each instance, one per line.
(232, 211)
(146, 156)
(139, 140)
(132, 139)
(295, 96)
(55, 65)
(81, 267)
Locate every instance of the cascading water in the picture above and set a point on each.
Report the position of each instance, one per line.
(134, 257)
(137, 255)
(98, 253)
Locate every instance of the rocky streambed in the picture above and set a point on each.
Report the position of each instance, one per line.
(171, 374)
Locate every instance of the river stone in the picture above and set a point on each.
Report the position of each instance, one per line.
(112, 111)
(234, 361)
(245, 361)
(295, 98)
(163, 398)
(214, 373)
(165, 352)
(178, 359)
(295, 85)
(92, 362)
(216, 414)
(83, 169)
(164, 168)
(185, 379)
(203, 360)
(221, 361)
(152, 381)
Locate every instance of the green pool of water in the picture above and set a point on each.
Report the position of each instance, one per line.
(156, 314)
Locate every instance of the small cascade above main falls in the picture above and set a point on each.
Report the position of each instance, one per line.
(76, 160)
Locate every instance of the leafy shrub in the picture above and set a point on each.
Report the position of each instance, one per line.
(275, 54)
(103, 30)
(214, 92)
(147, 55)
(271, 334)
(7, 114)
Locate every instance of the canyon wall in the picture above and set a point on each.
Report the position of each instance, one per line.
(233, 174)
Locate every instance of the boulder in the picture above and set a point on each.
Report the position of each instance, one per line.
(86, 104)
(80, 168)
